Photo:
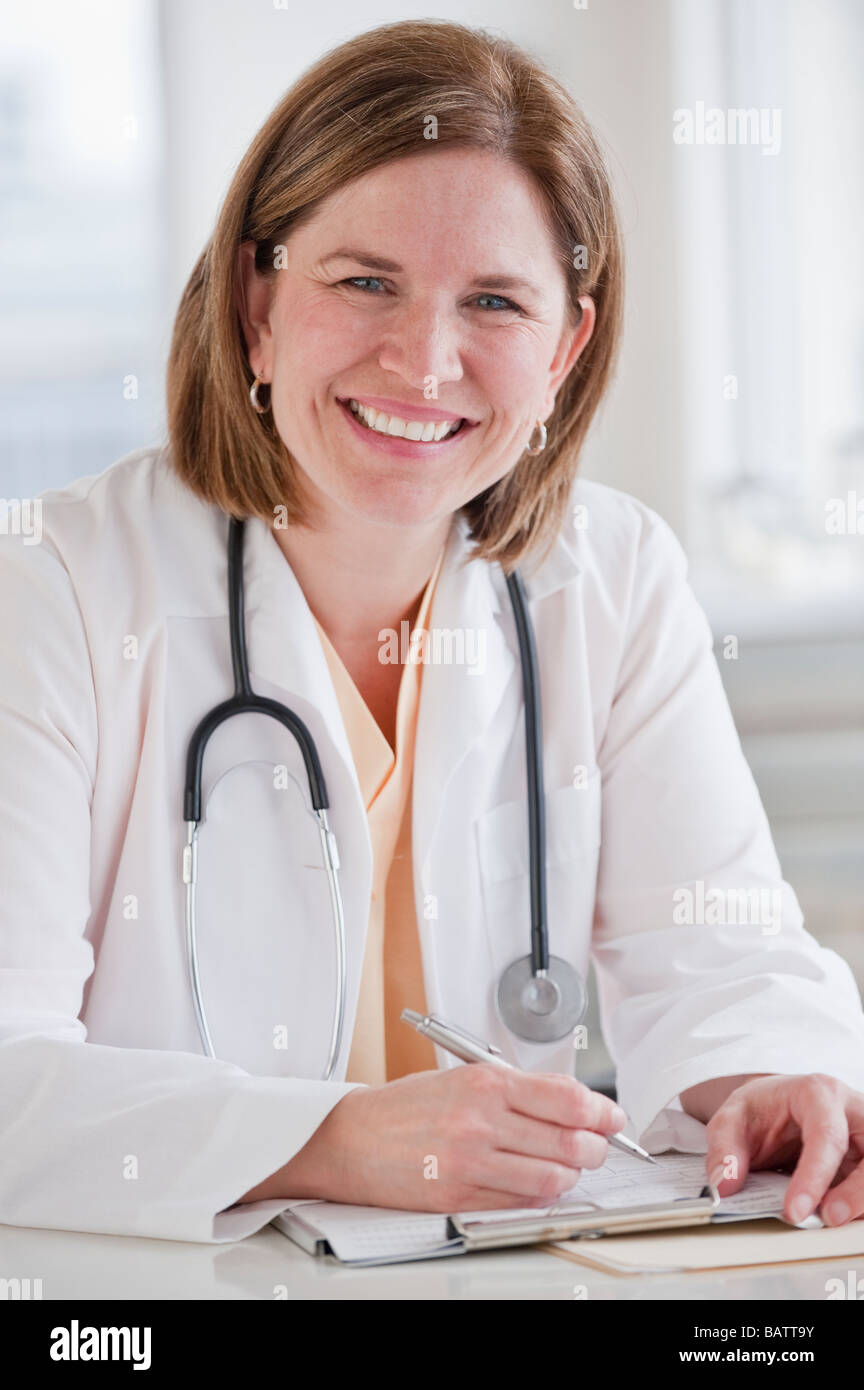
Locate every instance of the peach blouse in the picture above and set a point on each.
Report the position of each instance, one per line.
(383, 1047)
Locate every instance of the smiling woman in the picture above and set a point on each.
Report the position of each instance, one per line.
(472, 269)
(383, 368)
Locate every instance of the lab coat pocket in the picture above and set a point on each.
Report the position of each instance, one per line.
(573, 822)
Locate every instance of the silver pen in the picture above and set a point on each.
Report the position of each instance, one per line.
(472, 1049)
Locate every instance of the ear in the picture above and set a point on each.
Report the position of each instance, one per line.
(571, 344)
(253, 295)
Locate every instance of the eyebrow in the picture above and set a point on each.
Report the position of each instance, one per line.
(495, 280)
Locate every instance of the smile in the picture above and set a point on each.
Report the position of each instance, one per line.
(418, 431)
(413, 441)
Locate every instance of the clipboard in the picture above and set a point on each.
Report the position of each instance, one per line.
(583, 1221)
(433, 1236)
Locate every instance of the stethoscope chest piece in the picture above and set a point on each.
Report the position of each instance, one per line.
(541, 1007)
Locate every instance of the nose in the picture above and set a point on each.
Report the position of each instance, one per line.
(422, 340)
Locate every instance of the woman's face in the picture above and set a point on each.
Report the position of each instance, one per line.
(429, 292)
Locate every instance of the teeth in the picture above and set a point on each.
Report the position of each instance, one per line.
(426, 430)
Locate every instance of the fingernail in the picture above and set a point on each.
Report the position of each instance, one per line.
(801, 1207)
(619, 1117)
(837, 1213)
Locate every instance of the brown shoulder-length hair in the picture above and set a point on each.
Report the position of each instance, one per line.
(376, 98)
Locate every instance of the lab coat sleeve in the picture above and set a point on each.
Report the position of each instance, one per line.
(696, 983)
(92, 1137)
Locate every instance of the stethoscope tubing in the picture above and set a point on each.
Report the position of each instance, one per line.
(534, 766)
(245, 701)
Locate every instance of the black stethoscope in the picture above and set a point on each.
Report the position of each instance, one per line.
(540, 998)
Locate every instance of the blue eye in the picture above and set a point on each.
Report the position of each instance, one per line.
(362, 281)
(502, 302)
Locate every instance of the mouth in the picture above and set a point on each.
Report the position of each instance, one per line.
(380, 425)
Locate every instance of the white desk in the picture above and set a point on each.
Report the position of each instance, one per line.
(75, 1266)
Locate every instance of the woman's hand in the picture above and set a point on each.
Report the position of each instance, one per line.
(772, 1121)
(469, 1138)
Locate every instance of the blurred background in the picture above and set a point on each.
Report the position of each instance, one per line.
(737, 411)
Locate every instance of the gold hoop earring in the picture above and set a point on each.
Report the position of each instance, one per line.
(253, 396)
(538, 448)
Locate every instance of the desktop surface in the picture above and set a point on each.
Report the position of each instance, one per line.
(268, 1266)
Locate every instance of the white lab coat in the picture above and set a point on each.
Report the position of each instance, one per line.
(113, 644)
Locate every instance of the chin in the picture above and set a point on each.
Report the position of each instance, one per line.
(401, 515)
(387, 505)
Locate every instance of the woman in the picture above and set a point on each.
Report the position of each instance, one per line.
(386, 360)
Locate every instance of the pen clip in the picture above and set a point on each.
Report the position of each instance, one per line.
(463, 1033)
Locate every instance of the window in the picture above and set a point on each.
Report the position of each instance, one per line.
(80, 364)
(773, 318)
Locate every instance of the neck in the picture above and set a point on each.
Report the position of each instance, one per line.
(358, 578)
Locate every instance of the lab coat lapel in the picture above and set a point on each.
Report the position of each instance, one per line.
(457, 703)
(283, 644)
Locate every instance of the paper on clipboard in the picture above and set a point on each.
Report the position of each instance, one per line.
(627, 1181)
